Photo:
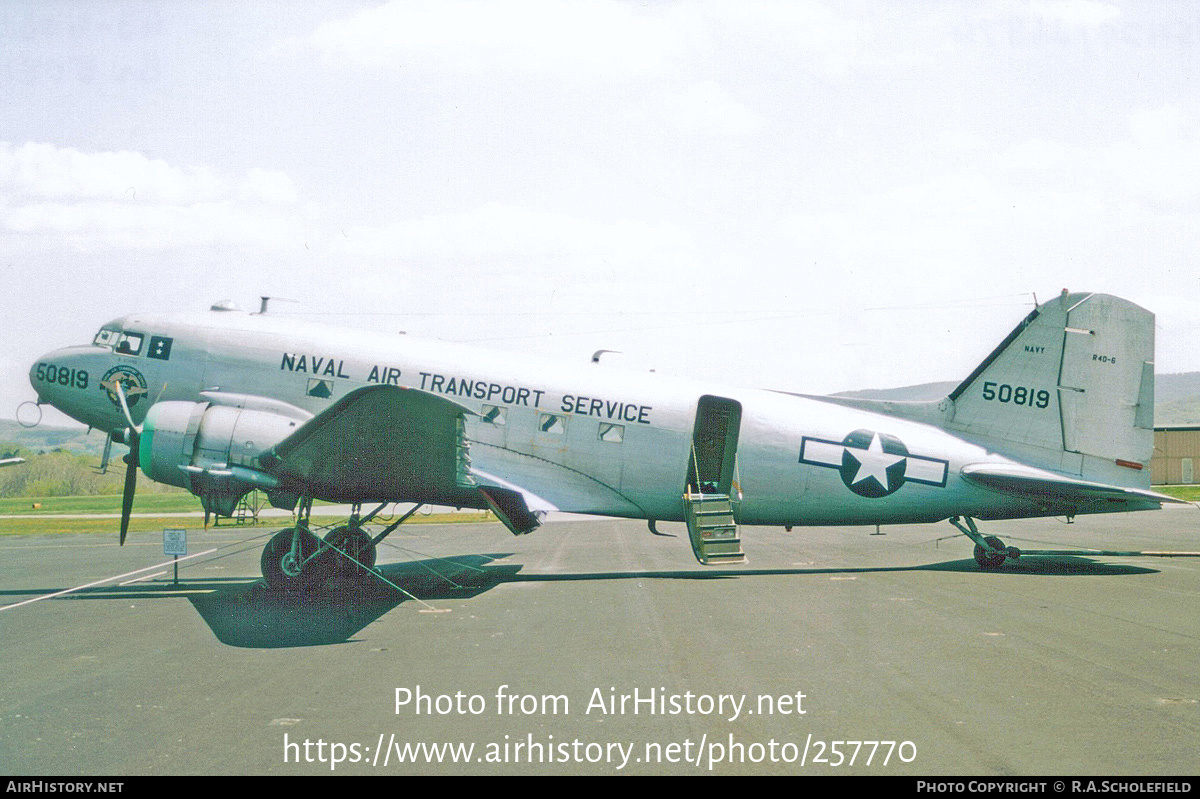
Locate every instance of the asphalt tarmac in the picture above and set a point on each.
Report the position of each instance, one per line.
(518, 652)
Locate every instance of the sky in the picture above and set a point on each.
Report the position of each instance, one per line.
(809, 196)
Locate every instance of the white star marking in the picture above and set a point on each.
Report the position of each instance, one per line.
(873, 462)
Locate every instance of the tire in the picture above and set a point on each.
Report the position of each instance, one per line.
(355, 543)
(987, 560)
(280, 570)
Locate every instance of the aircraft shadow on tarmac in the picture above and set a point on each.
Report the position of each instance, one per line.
(246, 613)
(1047, 565)
(331, 613)
(254, 616)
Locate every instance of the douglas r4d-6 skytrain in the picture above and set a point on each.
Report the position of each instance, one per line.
(1057, 421)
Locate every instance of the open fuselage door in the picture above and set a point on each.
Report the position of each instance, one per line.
(711, 482)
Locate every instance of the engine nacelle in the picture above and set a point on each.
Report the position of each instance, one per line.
(211, 449)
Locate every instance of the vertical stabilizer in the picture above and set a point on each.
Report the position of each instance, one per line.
(1070, 389)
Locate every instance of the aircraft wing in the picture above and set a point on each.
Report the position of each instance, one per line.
(1034, 483)
(545, 485)
(384, 443)
(378, 443)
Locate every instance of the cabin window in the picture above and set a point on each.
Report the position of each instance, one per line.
(613, 433)
(494, 415)
(552, 424)
(319, 388)
(128, 344)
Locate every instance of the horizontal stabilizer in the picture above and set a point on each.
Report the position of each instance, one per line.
(1041, 484)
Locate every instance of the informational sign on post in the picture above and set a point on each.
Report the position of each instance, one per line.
(175, 543)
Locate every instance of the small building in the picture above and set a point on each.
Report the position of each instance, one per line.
(1176, 452)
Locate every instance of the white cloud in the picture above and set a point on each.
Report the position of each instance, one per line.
(959, 229)
(1157, 165)
(1033, 154)
(1104, 216)
(52, 194)
(708, 108)
(782, 31)
(939, 220)
(97, 225)
(961, 141)
(44, 170)
(1074, 12)
(1156, 126)
(477, 36)
(600, 38)
(495, 230)
(41, 170)
(268, 186)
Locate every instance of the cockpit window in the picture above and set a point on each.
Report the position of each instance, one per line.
(129, 343)
(122, 343)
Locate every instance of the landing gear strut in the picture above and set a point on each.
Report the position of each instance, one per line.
(295, 559)
(990, 552)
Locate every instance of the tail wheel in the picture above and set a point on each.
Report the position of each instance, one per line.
(352, 540)
(289, 568)
(991, 560)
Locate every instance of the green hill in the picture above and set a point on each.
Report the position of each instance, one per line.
(62, 461)
(43, 438)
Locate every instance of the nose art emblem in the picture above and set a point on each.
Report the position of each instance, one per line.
(130, 380)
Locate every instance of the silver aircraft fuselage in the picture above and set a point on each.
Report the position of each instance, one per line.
(618, 442)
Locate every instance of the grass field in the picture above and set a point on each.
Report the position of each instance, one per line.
(107, 506)
(175, 502)
(1189, 493)
(106, 526)
(156, 524)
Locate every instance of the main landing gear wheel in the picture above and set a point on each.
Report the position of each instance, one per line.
(357, 544)
(287, 563)
(991, 560)
(990, 552)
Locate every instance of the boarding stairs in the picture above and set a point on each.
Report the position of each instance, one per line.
(712, 528)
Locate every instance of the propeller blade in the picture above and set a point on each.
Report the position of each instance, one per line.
(132, 437)
(131, 470)
(120, 389)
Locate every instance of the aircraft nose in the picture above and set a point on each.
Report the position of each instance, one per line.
(65, 378)
(37, 376)
(53, 372)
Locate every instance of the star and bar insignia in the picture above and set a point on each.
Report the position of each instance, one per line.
(873, 464)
